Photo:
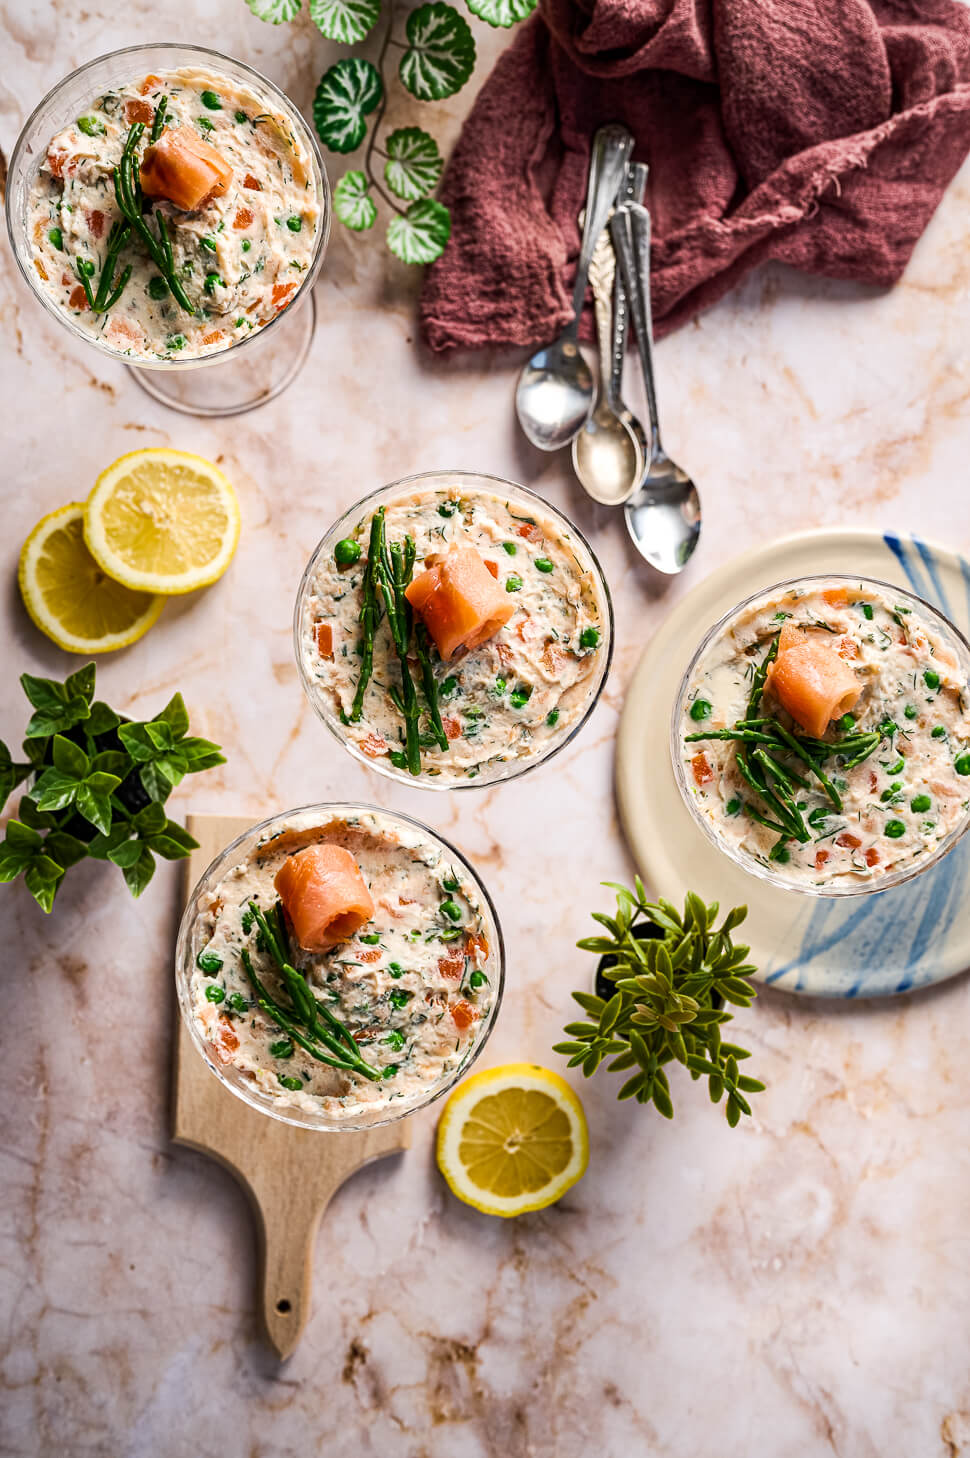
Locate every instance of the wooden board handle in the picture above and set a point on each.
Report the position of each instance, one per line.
(288, 1223)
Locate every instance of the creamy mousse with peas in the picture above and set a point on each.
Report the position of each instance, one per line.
(223, 185)
(825, 732)
(507, 638)
(390, 972)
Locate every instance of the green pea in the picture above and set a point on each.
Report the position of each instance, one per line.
(85, 268)
(867, 611)
(293, 1084)
(448, 687)
(389, 1071)
(450, 884)
(894, 829)
(521, 696)
(282, 1049)
(477, 980)
(346, 552)
(398, 760)
(894, 789)
(911, 711)
(451, 910)
(931, 678)
(175, 341)
(920, 803)
(733, 806)
(552, 718)
(395, 969)
(500, 686)
(513, 583)
(203, 123)
(700, 709)
(56, 237)
(780, 853)
(294, 224)
(241, 117)
(399, 997)
(247, 243)
(209, 962)
(213, 282)
(211, 100)
(246, 921)
(510, 547)
(894, 769)
(394, 1039)
(938, 732)
(215, 993)
(210, 244)
(91, 126)
(370, 938)
(589, 637)
(847, 721)
(962, 763)
(237, 1002)
(240, 323)
(157, 287)
(887, 728)
(544, 565)
(448, 508)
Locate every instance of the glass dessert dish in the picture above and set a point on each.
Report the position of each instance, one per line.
(416, 997)
(873, 799)
(259, 362)
(506, 704)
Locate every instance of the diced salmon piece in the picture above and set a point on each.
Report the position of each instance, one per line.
(701, 769)
(282, 294)
(452, 727)
(554, 658)
(252, 183)
(184, 168)
(492, 567)
(463, 1015)
(821, 856)
(847, 648)
(139, 111)
(452, 963)
(836, 596)
(460, 601)
(873, 781)
(124, 333)
(213, 336)
(848, 841)
(78, 299)
(243, 218)
(150, 83)
(872, 856)
(374, 746)
(323, 635)
(61, 164)
(42, 270)
(528, 630)
(810, 680)
(324, 896)
(476, 945)
(370, 954)
(529, 530)
(504, 653)
(95, 221)
(225, 1039)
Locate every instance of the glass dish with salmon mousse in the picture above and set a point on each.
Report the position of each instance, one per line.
(169, 206)
(339, 966)
(821, 736)
(453, 629)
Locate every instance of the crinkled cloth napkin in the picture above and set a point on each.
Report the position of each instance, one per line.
(819, 132)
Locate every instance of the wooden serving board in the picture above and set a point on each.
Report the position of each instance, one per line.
(290, 1174)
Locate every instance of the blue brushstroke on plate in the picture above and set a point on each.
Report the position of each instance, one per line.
(897, 936)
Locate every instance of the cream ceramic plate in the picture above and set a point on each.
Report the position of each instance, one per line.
(869, 946)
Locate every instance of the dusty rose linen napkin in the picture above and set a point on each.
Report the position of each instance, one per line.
(819, 132)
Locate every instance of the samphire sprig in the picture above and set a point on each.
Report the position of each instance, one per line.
(668, 1004)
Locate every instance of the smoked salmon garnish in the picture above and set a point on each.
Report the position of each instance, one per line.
(836, 596)
(451, 726)
(374, 746)
(848, 841)
(139, 111)
(463, 1015)
(95, 221)
(150, 83)
(243, 218)
(78, 299)
(324, 896)
(460, 601)
(323, 634)
(701, 770)
(252, 183)
(43, 271)
(452, 962)
(184, 168)
(821, 857)
(810, 680)
(282, 294)
(492, 567)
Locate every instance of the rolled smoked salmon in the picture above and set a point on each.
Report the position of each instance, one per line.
(811, 680)
(184, 168)
(324, 896)
(460, 601)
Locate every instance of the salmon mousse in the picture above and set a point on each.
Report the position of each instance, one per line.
(823, 733)
(453, 633)
(343, 964)
(176, 215)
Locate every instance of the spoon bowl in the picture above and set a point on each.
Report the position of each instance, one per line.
(554, 394)
(664, 516)
(609, 454)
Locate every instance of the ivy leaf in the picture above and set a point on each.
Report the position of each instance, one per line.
(420, 236)
(137, 742)
(352, 204)
(112, 762)
(150, 820)
(345, 21)
(138, 876)
(101, 846)
(502, 12)
(347, 93)
(157, 781)
(414, 163)
(441, 52)
(275, 12)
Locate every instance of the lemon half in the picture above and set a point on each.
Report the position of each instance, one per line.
(162, 521)
(512, 1139)
(68, 595)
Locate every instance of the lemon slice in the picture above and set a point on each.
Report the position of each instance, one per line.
(512, 1139)
(68, 595)
(162, 521)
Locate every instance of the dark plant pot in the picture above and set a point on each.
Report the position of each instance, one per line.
(644, 931)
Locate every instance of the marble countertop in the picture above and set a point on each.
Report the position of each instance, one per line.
(796, 1287)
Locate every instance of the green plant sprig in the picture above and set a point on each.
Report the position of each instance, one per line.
(99, 784)
(307, 1021)
(668, 1004)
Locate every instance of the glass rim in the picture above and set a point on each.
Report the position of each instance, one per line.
(320, 243)
(434, 783)
(748, 862)
(248, 1093)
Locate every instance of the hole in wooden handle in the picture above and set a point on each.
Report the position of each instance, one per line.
(284, 1307)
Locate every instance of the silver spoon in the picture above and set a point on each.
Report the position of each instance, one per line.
(664, 516)
(555, 390)
(610, 453)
